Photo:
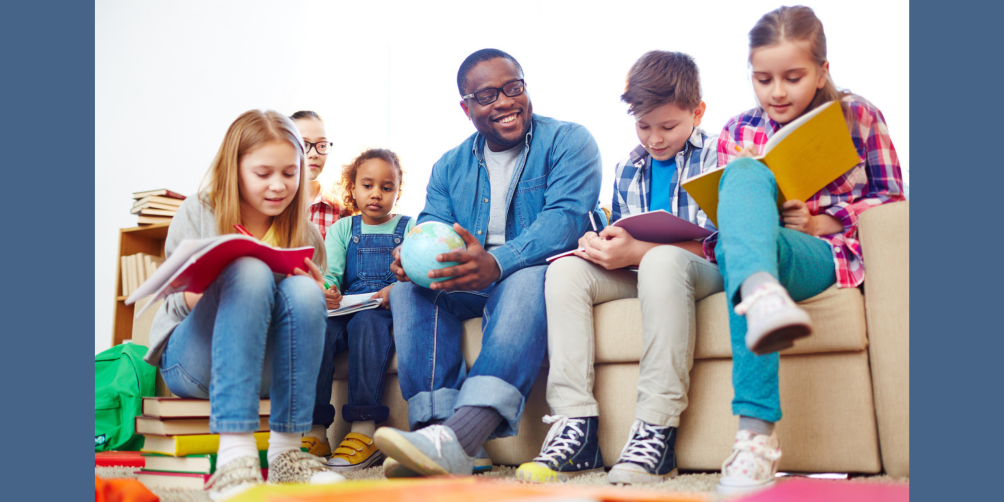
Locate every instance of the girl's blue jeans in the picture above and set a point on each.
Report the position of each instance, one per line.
(368, 338)
(428, 331)
(249, 337)
(751, 239)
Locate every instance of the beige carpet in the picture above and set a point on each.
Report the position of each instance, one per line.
(703, 483)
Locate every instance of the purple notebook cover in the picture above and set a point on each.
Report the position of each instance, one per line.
(661, 227)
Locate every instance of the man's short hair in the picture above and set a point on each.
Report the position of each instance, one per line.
(480, 57)
(659, 78)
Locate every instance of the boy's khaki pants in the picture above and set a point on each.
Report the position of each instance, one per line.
(668, 283)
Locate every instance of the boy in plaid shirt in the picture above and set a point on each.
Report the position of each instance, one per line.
(664, 95)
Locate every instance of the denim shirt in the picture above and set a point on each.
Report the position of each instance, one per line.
(555, 184)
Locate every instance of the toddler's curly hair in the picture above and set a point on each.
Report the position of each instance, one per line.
(348, 181)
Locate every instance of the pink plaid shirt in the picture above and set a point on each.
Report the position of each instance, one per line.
(876, 180)
(324, 212)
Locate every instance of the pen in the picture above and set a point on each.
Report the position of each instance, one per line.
(593, 222)
(240, 228)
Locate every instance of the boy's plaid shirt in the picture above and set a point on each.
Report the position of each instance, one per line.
(877, 179)
(633, 180)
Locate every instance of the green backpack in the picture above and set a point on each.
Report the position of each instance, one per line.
(121, 379)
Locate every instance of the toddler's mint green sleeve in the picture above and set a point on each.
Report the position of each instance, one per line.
(408, 227)
(336, 244)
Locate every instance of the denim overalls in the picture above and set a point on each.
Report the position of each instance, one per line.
(368, 258)
(365, 334)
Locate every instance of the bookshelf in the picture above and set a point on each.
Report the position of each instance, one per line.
(145, 239)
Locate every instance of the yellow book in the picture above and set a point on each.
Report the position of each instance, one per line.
(805, 156)
(200, 444)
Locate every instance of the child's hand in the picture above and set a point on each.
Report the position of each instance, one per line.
(586, 237)
(384, 294)
(797, 217)
(333, 298)
(749, 151)
(191, 299)
(396, 266)
(315, 273)
(613, 248)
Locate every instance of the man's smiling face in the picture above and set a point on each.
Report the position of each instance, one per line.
(505, 122)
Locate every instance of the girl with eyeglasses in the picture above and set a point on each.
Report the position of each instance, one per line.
(324, 207)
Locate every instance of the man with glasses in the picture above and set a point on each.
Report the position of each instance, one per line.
(518, 190)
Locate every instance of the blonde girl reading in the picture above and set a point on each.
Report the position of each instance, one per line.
(250, 334)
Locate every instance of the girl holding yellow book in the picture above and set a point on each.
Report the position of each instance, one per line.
(771, 258)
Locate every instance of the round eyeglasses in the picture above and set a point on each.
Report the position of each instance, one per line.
(489, 95)
(322, 147)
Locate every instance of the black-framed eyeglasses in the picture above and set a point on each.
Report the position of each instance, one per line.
(489, 95)
(322, 147)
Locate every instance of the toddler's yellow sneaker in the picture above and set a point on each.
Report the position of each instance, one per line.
(356, 451)
(315, 447)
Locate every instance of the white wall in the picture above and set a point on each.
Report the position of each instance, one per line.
(171, 76)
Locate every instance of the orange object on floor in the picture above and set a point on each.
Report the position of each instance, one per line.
(122, 490)
(445, 489)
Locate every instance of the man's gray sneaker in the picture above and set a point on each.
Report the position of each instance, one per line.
(431, 451)
(394, 469)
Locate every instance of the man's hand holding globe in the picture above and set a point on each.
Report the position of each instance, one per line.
(470, 269)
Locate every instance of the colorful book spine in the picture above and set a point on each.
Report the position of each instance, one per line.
(202, 444)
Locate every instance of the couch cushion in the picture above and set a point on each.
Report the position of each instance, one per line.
(837, 314)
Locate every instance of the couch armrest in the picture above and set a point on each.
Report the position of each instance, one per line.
(885, 242)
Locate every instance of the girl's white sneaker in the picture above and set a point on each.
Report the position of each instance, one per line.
(773, 321)
(752, 464)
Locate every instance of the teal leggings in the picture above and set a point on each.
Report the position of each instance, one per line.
(751, 239)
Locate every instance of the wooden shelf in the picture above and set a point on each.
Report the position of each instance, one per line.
(147, 239)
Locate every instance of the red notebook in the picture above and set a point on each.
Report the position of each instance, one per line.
(194, 265)
(123, 458)
(831, 491)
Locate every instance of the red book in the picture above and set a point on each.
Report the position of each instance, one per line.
(123, 458)
(831, 491)
(194, 265)
(184, 480)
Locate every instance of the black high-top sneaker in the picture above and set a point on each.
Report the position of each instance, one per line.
(648, 456)
(571, 448)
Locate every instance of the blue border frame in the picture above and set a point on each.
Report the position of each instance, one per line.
(955, 343)
(48, 137)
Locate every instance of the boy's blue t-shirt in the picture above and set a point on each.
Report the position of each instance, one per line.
(663, 172)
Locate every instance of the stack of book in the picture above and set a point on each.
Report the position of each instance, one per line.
(136, 269)
(178, 450)
(156, 206)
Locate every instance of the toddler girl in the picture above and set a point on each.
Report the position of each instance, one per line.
(766, 265)
(233, 343)
(359, 257)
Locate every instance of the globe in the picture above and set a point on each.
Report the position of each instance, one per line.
(421, 246)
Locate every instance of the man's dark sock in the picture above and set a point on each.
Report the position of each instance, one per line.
(473, 425)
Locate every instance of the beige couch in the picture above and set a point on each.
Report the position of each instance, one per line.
(844, 391)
